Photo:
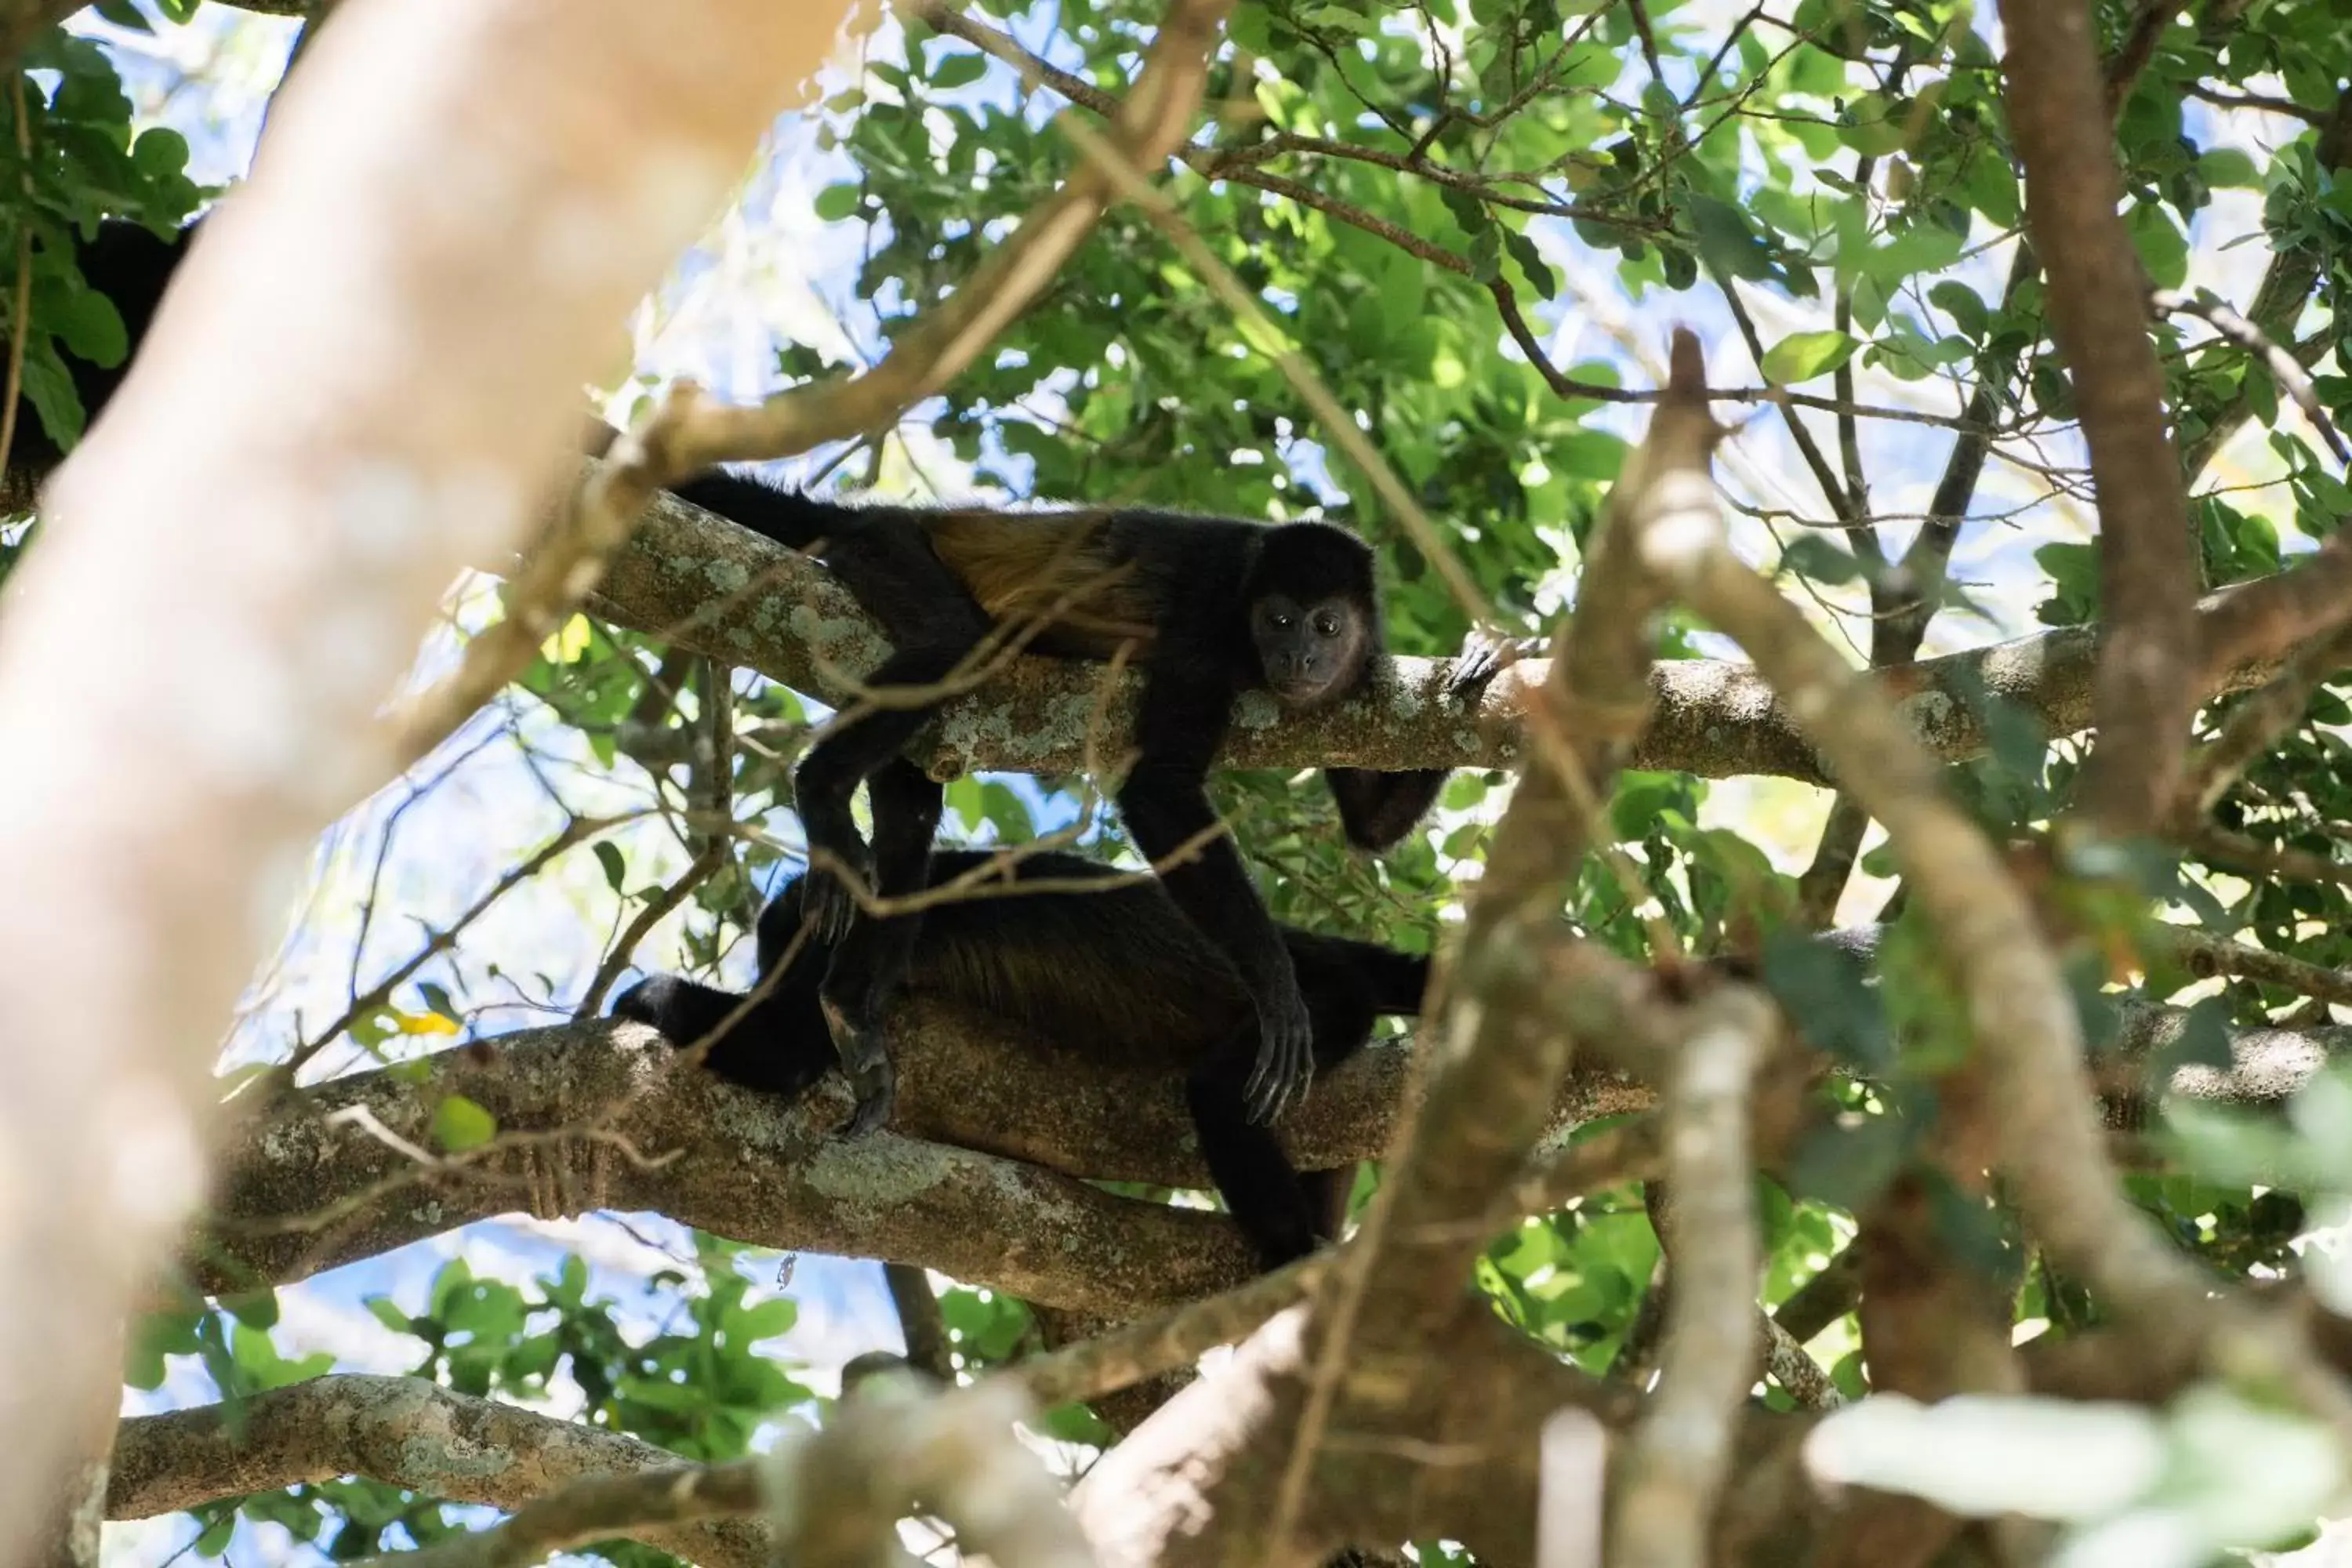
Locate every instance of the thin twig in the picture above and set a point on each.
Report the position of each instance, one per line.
(2284, 367)
(576, 832)
(1671, 1471)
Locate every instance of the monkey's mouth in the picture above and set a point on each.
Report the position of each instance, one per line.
(1302, 695)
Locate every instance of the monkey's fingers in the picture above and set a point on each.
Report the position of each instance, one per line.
(829, 908)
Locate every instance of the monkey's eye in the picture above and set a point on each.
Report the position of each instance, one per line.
(1327, 626)
(1282, 623)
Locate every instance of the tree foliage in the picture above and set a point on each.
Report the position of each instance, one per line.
(1473, 222)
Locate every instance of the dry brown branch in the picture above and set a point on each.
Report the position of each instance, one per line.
(2280, 298)
(837, 1494)
(921, 1325)
(2148, 686)
(576, 832)
(2026, 1029)
(655, 910)
(1823, 1299)
(2255, 725)
(2204, 955)
(1455, 1157)
(447, 183)
(1129, 1355)
(2284, 368)
(568, 561)
(1669, 1477)
(1152, 124)
(834, 1496)
(593, 1507)
(1607, 1159)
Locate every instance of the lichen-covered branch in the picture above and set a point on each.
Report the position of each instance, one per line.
(973, 1183)
(717, 589)
(400, 1430)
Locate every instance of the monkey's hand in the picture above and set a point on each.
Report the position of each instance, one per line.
(1285, 1052)
(1485, 655)
(829, 906)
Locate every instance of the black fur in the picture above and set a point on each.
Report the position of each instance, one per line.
(1115, 969)
(1228, 599)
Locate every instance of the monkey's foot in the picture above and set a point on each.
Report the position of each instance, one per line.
(876, 1102)
(865, 1063)
(1286, 1059)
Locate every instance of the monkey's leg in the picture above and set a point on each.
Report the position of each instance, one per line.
(934, 625)
(1181, 720)
(1273, 1206)
(871, 962)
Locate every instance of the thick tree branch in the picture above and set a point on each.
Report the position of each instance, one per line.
(2148, 683)
(945, 1193)
(721, 590)
(403, 1431)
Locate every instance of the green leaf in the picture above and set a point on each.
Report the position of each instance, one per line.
(460, 1124)
(439, 1001)
(1963, 304)
(1802, 356)
(1814, 558)
(767, 1320)
(2163, 245)
(1829, 990)
(957, 70)
(2230, 168)
(835, 203)
(1341, 17)
(256, 1309)
(616, 870)
(390, 1315)
(1727, 240)
(1531, 262)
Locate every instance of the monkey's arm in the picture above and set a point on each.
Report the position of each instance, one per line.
(1377, 809)
(1178, 727)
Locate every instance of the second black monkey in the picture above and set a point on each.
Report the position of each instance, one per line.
(1112, 971)
(1211, 607)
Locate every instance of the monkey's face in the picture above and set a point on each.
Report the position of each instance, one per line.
(1310, 653)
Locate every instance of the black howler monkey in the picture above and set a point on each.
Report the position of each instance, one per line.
(1211, 607)
(1114, 971)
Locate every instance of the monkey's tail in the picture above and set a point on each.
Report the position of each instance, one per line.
(792, 519)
